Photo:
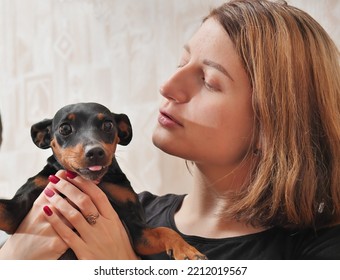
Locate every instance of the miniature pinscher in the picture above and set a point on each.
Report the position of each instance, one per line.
(83, 138)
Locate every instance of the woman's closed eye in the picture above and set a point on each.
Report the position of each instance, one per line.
(210, 84)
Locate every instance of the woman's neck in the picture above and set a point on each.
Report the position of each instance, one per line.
(202, 211)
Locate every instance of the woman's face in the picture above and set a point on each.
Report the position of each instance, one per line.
(207, 114)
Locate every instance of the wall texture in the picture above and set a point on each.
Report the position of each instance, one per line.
(117, 52)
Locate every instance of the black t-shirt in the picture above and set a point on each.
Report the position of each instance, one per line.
(272, 244)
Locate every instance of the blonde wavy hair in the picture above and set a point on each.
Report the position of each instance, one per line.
(293, 66)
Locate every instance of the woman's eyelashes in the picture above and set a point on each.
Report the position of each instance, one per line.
(182, 64)
(184, 59)
(210, 84)
(207, 85)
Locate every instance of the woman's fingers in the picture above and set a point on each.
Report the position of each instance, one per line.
(97, 196)
(66, 233)
(99, 231)
(79, 208)
(35, 238)
(90, 241)
(72, 214)
(88, 194)
(70, 237)
(76, 196)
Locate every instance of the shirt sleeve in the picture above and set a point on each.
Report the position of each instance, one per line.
(323, 244)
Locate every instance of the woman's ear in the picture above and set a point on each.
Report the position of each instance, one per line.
(124, 128)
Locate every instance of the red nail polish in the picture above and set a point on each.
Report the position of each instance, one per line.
(49, 192)
(53, 179)
(47, 210)
(70, 174)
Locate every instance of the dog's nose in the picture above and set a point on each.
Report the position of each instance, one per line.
(94, 154)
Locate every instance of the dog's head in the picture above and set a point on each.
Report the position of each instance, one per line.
(83, 137)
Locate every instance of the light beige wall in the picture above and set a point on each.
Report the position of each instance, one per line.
(117, 52)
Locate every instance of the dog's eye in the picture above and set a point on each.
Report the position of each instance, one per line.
(65, 129)
(107, 126)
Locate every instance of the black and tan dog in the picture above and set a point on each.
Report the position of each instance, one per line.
(83, 138)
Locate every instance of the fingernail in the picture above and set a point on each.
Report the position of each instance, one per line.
(49, 192)
(53, 179)
(47, 210)
(70, 174)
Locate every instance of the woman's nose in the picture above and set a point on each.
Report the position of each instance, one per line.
(181, 86)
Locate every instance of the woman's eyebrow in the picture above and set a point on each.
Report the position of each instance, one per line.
(218, 67)
(213, 64)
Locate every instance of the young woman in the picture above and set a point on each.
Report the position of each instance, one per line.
(254, 107)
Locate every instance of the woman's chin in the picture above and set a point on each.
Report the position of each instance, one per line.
(163, 141)
(160, 140)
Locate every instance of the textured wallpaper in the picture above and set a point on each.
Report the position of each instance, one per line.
(116, 52)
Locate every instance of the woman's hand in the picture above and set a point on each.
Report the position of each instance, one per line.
(35, 238)
(104, 239)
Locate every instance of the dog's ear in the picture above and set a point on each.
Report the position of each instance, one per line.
(124, 128)
(41, 133)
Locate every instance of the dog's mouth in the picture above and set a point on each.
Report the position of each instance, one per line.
(93, 173)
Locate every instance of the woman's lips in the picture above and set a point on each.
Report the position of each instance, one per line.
(167, 120)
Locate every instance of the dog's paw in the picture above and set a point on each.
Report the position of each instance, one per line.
(184, 251)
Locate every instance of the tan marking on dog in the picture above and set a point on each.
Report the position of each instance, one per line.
(100, 116)
(6, 224)
(71, 117)
(70, 158)
(110, 149)
(160, 239)
(73, 158)
(41, 181)
(53, 143)
(123, 126)
(39, 138)
(119, 193)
